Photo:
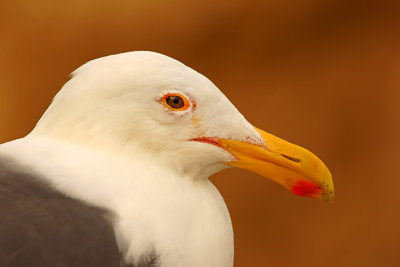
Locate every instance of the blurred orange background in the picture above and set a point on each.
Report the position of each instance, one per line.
(323, 74)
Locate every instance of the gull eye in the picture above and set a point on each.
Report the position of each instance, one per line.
(175, 102)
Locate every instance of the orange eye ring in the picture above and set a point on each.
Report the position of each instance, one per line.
(175, 102)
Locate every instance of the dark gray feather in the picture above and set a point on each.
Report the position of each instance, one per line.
(40, 226)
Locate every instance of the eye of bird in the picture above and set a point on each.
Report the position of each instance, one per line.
(175, 102)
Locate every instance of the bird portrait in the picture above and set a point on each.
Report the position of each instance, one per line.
(199, 133)
(116, 171)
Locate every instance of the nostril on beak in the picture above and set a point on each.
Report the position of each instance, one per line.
(291, 158)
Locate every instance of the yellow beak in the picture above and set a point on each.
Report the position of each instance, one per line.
(292, 166)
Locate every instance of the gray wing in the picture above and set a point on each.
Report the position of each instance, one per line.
(40, 226)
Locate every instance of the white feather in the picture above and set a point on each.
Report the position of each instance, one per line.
(106, 139)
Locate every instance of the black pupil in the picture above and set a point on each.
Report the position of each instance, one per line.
(175, 102)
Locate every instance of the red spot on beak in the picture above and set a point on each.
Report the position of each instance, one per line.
(306, 189)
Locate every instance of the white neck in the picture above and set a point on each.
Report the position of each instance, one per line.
(183, 220)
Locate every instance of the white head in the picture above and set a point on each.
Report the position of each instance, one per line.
(147, 104)
(119, 103)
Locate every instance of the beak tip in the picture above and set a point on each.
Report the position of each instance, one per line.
(307, 188)
(328, 195)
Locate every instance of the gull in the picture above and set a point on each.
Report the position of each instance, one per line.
(115, 173)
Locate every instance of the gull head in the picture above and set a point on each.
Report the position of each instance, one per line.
(148, 105)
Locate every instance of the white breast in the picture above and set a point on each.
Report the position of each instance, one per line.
(188, 225)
